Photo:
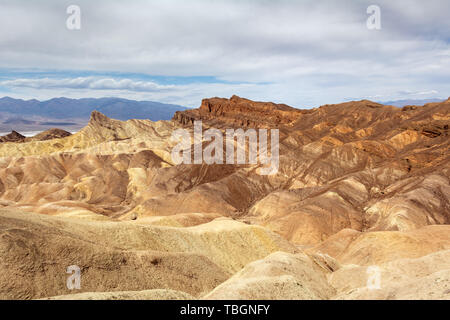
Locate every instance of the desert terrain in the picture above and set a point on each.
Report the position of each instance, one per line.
(361, 186)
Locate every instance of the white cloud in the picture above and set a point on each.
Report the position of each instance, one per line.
(424, 93)
(87, 83)
(309, 52)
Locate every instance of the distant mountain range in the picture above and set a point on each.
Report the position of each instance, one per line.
(63, 108)
(72, 114)
(410, 102)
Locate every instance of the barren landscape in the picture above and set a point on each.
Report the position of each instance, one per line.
(360, 185)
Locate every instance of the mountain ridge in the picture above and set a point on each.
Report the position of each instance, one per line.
(72, 114)
(411, 102)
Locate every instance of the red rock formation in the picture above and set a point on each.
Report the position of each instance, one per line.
(45, 135)
(14, 136)
(240, 112)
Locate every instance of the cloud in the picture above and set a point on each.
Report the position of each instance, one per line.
(87, 83)
(306, 52)
(418, 93)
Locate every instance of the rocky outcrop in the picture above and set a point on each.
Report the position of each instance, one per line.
(51, 134)
(240, 112)
(45, 135)
(14, 136)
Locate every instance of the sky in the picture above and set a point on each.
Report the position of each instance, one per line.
(302, 53)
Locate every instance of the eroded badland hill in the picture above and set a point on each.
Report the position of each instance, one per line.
(359, 184)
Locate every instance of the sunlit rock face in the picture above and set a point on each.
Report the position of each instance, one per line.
(358, 183)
